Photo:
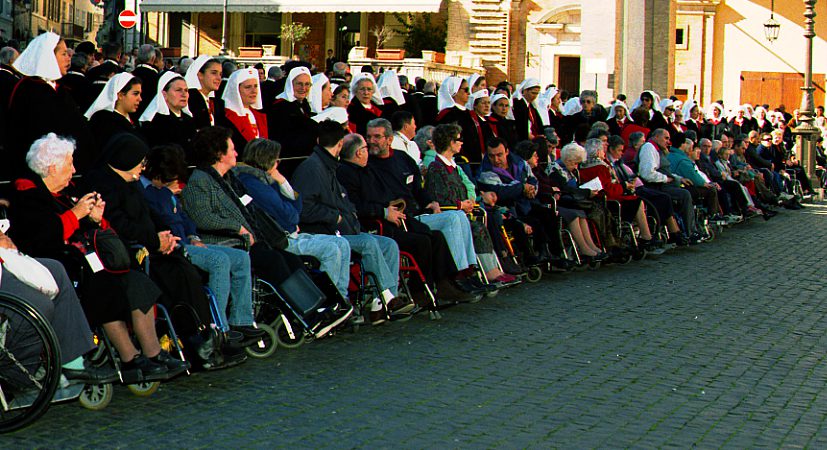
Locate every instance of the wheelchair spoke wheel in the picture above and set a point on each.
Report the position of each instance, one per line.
(29, 363)
(96, 396)
(284, 338)
(266, 346)
(144, 389)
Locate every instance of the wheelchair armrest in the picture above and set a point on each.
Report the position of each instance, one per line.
(373, 226)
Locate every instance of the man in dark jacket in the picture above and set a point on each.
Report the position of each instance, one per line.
(428, 248)
(327, 209)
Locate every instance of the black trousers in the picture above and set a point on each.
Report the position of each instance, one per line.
(428, 248)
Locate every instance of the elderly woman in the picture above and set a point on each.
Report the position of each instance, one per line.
(228, 268)
(590, 112)
(47, 218)
(242, 108)
(289, 118)
(203, 79)
(366, 102)
(527, 119)
(36, 107)
(447, 187)
(110, 112)
(116, 179)
(272, 193)
(167, 118)
(632, 208)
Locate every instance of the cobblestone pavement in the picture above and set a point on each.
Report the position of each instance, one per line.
(717, 345)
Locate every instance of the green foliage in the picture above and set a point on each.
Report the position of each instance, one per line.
(294, 33)
(421, 33)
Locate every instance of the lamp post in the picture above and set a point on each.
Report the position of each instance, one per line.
(224, 30)
(805, 131)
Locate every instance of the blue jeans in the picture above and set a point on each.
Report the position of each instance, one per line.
(333, 253)
(229, 270)
(380, 256)
(456, 228)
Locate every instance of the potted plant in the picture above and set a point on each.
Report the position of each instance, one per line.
(424, 36)
(294, 33)
(383, 34)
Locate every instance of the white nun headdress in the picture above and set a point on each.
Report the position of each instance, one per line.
(655, 102)
(389, 87)
(714, 106)
(572, 106)
(159, 105)
(482, 93)
(315, 97)
(377, 97)
(334, 113)
(288, 84)
(613, 112)
(687, 109)
(192, 73)
(232, 98)
(109, 95)
(447, 90)
(38, 59)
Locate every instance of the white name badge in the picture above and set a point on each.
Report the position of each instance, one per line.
(409, 180)
(94, 262)
(246, 199)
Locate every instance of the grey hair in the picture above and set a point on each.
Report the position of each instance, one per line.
(50, 150)
(592, 147)
(7, 55)
(634, 137)
(340, 69)
(381, 123)
(588, 93)
(146, 53)
(716, 144)
(184, 65)
(403, 80)
(573, 152)
(350, 145)
(423, 135)
(430, 87)
(275, 73)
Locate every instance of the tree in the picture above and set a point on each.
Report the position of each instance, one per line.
(421, 33)
(294, 33)
(383, 34)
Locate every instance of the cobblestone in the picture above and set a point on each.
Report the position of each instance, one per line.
(716, 345)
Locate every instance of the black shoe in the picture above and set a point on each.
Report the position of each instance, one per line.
(696, 238)
(91, 374)
(468, 285)
(147, 367)
(174, 366)
(250, 332)
(448, 292)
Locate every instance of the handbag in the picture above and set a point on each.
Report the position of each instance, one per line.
(104, 250)
(29, 271)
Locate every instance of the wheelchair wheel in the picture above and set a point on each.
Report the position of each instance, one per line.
(29, 363)
(96, 396)
(534, 274)
(283, 334)
(144, 389)
(639, 254)
(266, 346)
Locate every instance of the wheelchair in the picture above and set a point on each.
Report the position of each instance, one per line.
(30, 371)
(627, 232)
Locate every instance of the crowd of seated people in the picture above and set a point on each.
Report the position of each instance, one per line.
(217, 181)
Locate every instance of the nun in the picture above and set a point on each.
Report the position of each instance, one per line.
(550, 106)
(37, 107)
(650, 101)
(167, 118)
(321, 93)
(716, 123)
(242, 109)
(618, 118)
(365, 102)
(525, 106)
(393, 99)
(474, 138)
(203, 79)
(692, 118)
(501, 126)
(110, 112)
(477, 82)
(289, 118)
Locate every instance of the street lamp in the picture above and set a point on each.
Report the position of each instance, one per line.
(771, 27)
(224, 29)
(805, 130)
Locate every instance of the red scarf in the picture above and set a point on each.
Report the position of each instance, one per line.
(247, 129)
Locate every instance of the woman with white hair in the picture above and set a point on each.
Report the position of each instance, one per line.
(167, 118)
(242, 108)
(46, 217)
(37, 108)
(289, 119)
(365, 103)
(527, 118)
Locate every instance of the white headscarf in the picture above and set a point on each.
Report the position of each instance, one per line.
(715, 105)
(482, 93)
(447, 90)
(232, 99)
(666, 103)
(687, 109)
(39, 60)
(544, 104)
(572, 106)
(655, 102)
(377, 97)
(472, 79)
(109, 95)
(389, 87)
(159, 105)
(334, 113)
(529, 83)
(192, 73)
(315, 97)
(761, 109)
(612, 112)
(288, 85)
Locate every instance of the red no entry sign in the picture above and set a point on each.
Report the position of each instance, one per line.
(127, 18)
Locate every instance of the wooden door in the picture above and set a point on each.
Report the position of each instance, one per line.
(778, 88)
(568, 74)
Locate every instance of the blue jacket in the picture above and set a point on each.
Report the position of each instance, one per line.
(267, 196)
(684, 167)
(169, 209)
(509, 188)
